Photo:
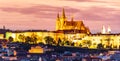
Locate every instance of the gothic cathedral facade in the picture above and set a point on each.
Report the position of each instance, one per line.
(62, 24)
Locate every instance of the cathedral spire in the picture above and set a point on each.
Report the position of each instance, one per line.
(109, 30)
(58, 16)
(58, 22)
(103, 30)
(63, 13)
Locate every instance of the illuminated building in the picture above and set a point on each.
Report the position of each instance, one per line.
(19, 36)
(1, 36)
(62, 24)
(103, 30)
(72, 31)
(109, 30)
(36, 49)
(112, 40)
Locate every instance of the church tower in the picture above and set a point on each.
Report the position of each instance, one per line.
(109, 30)
(63, 25)
(62, 19)
(58, 22)
(103, 30)
(63, 14)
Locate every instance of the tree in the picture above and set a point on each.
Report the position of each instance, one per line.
(10, 39)
(48, 40)
(100, 46)
(22, 38)
(108, 43)
(86, 43)
(80, 45)
(73, 44)
(28, 39)
(34, 38)
(67, 42)
(59, 41)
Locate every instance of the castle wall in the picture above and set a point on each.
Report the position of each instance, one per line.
(111, 40)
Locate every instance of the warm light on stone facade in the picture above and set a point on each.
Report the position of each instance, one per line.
(36, 49)
(62, 23)
(72, 31)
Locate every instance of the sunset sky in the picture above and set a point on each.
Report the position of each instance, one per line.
(41, 14)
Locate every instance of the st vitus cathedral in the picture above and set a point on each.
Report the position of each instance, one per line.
(72, 31)
(62, 24)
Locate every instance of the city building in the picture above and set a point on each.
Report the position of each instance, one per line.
(36, 49)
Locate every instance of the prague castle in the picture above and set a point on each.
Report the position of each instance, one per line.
(67, 31)
(62, 23)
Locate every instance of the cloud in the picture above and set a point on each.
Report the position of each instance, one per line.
(41, 11)
(80, 0)
(96, 26)
(96, 1)
(45, 15)
(39, 16)
(99, 13)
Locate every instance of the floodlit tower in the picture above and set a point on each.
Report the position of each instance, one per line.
(63, 14)
(103, 30)
(108, 30)
(58, 22)
(62, 19)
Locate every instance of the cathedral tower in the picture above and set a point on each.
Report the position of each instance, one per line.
(63, 14)
(58, 22)
(64, 25)
(62, 19)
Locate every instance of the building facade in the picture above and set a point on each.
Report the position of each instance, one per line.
(73, 31)
(62, 24)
